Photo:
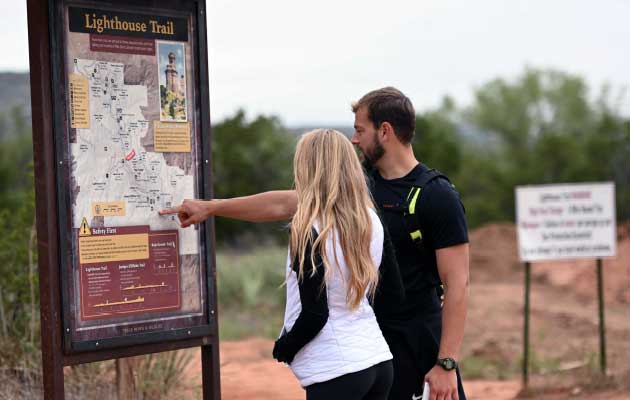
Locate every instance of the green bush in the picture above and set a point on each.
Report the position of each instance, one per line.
(251, 293)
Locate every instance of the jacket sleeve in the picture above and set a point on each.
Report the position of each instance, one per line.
(390, 292)
(313, 315)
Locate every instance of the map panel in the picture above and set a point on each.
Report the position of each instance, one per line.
(133, 270)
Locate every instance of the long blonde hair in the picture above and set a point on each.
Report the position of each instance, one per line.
(332, 190)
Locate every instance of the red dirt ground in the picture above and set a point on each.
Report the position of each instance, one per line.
(248, 373)
(564, 326)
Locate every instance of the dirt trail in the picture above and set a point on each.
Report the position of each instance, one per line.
(564, 330)
(250, 358)
(249, 373)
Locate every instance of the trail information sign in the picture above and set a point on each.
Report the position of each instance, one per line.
(121, 130)
(133, 148)
(566, 221)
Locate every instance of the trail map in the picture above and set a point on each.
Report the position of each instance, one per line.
(115, 167)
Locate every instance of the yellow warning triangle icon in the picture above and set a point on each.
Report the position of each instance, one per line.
(85, 230)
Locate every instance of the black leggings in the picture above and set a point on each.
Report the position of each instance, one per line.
(372, 383)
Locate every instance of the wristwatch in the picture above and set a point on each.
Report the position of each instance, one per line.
(447, 363)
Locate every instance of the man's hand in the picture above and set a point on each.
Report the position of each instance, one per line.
(190, 211)
(443, 384)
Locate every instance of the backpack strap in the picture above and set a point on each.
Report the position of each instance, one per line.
(411, 218)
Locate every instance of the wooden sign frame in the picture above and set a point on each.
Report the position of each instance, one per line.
(48, 91)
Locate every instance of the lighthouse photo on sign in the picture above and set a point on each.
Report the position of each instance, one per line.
(172, 73)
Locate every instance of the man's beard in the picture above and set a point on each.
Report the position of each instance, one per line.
(375, 153)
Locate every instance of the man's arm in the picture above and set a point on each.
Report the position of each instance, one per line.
(453, 267)
(275, 205)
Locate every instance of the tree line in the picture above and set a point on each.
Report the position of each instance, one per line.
(543, 127)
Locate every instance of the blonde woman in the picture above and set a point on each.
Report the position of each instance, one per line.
(331, 339)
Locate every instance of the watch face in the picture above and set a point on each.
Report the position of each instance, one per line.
(447, 363)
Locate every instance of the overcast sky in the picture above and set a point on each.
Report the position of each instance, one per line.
(306, 61)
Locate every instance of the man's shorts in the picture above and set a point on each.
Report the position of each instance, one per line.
(415, 344)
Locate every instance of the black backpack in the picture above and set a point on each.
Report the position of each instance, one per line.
(408, 209)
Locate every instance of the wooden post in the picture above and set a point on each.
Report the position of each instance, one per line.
(125, 382)
(526, 326)
(602, 324)
(209, 372)
(46, 198)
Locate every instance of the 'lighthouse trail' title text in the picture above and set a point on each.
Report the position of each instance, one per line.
(126, 24)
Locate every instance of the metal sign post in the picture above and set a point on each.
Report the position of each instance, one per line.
(602, 324)
(528, 269)
(121, 129)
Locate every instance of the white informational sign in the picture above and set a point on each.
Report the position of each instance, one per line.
(558, 222)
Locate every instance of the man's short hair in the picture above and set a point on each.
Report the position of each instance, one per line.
(390, 105)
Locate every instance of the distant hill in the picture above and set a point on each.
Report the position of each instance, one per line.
(15, 93)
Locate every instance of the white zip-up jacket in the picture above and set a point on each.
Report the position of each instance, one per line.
(350, 340)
